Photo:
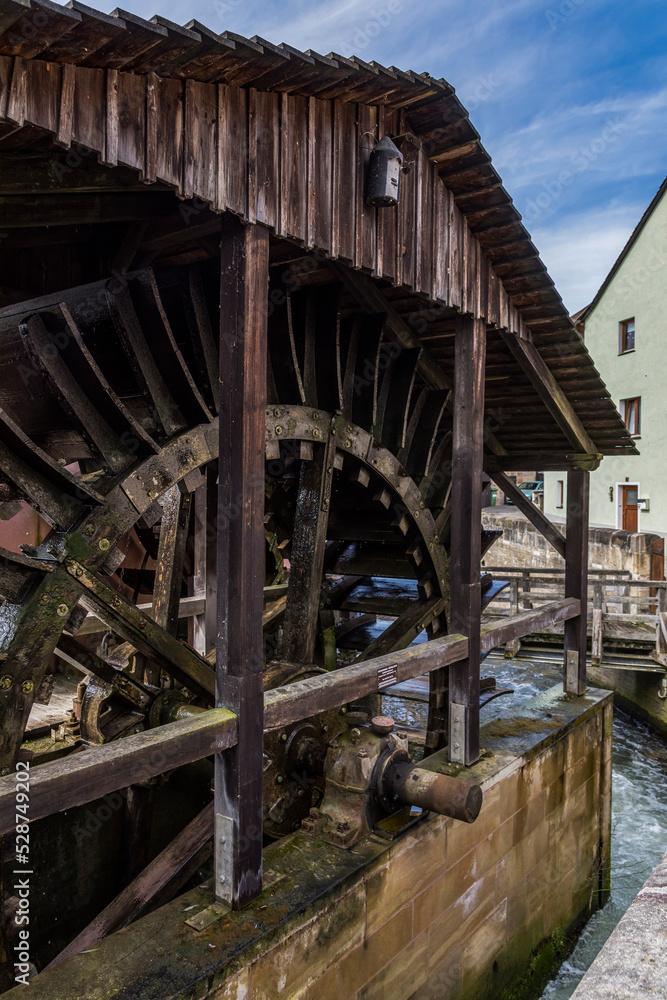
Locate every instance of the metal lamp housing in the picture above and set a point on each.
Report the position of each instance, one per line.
(383, 179)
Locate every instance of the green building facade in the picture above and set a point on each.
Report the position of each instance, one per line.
(625, 329)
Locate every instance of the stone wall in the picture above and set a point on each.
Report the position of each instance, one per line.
(448, 911)
(523, 545)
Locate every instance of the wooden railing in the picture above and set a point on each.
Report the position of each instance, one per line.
(615, 598)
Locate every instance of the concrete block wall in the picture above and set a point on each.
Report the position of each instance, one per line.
(456, 911)
(447, 911)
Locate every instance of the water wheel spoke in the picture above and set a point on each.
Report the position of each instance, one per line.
(307, 555)
(143, 633)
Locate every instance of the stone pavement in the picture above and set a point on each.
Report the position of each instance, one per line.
(633, 963)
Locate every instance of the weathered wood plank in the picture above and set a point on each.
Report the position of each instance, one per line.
(263, 157)
(294, 154)
(320, 177)
(301, 699)
(366, 215)
(344, 167)
(233, 149)
(200, 156)
(79, 778)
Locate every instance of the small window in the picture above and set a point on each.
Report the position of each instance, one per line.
(560, 492)
(626, 336)
(632, 413)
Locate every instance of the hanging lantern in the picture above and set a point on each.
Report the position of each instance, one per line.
(384, 174)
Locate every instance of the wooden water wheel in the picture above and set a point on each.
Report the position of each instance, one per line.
(108, 430)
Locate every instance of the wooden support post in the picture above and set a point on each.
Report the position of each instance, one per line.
(204, 626)
(244, 282)
(466, 596)
(512, 648)
(576, 581)
(526, 602)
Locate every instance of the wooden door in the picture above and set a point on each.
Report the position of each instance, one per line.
(630, 517)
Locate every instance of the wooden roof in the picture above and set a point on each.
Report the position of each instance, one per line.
(43, 31)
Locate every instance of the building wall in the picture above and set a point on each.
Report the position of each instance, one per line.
(638, 289)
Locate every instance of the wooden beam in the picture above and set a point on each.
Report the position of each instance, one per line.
(301, 699)
(82, 777)
(545, 461)
(244, 282)
(141, 631)
(533, 513)
(576, 581)
(535, 368)
(163, 870)
(466, 535)
(82, 209)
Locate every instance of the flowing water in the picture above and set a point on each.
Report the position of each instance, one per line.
(639, 803)
(639, 812)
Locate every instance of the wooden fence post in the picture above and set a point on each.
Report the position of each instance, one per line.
(596, 640)
(512, 648)
(466, 535)
(576, 581)
(244, 284)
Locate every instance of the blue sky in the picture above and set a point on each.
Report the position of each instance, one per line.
(569, 96)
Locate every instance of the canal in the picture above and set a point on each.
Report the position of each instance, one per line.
(639, 811)
(639, 801)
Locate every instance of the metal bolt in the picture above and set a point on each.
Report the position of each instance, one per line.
(44, 599)
(326, 503)
(139, 478)
(27, 687)
(421, 505)
(104, 543)
(283, 737)
(316, 432)
(89, 530)
(355, 734)
(5, 682)
(329, 471)
(362, 753)
(62, 610)
(325, 729)
(402, 735)
(348, 444)
(343, 710)
(79, 571)
(299, 791)
(316, 415)
(416, 513)
(152, 494)
(278, 413)
(279, 430)
(279, 779)
(437, 538)
(4, 771)
(115, 603)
